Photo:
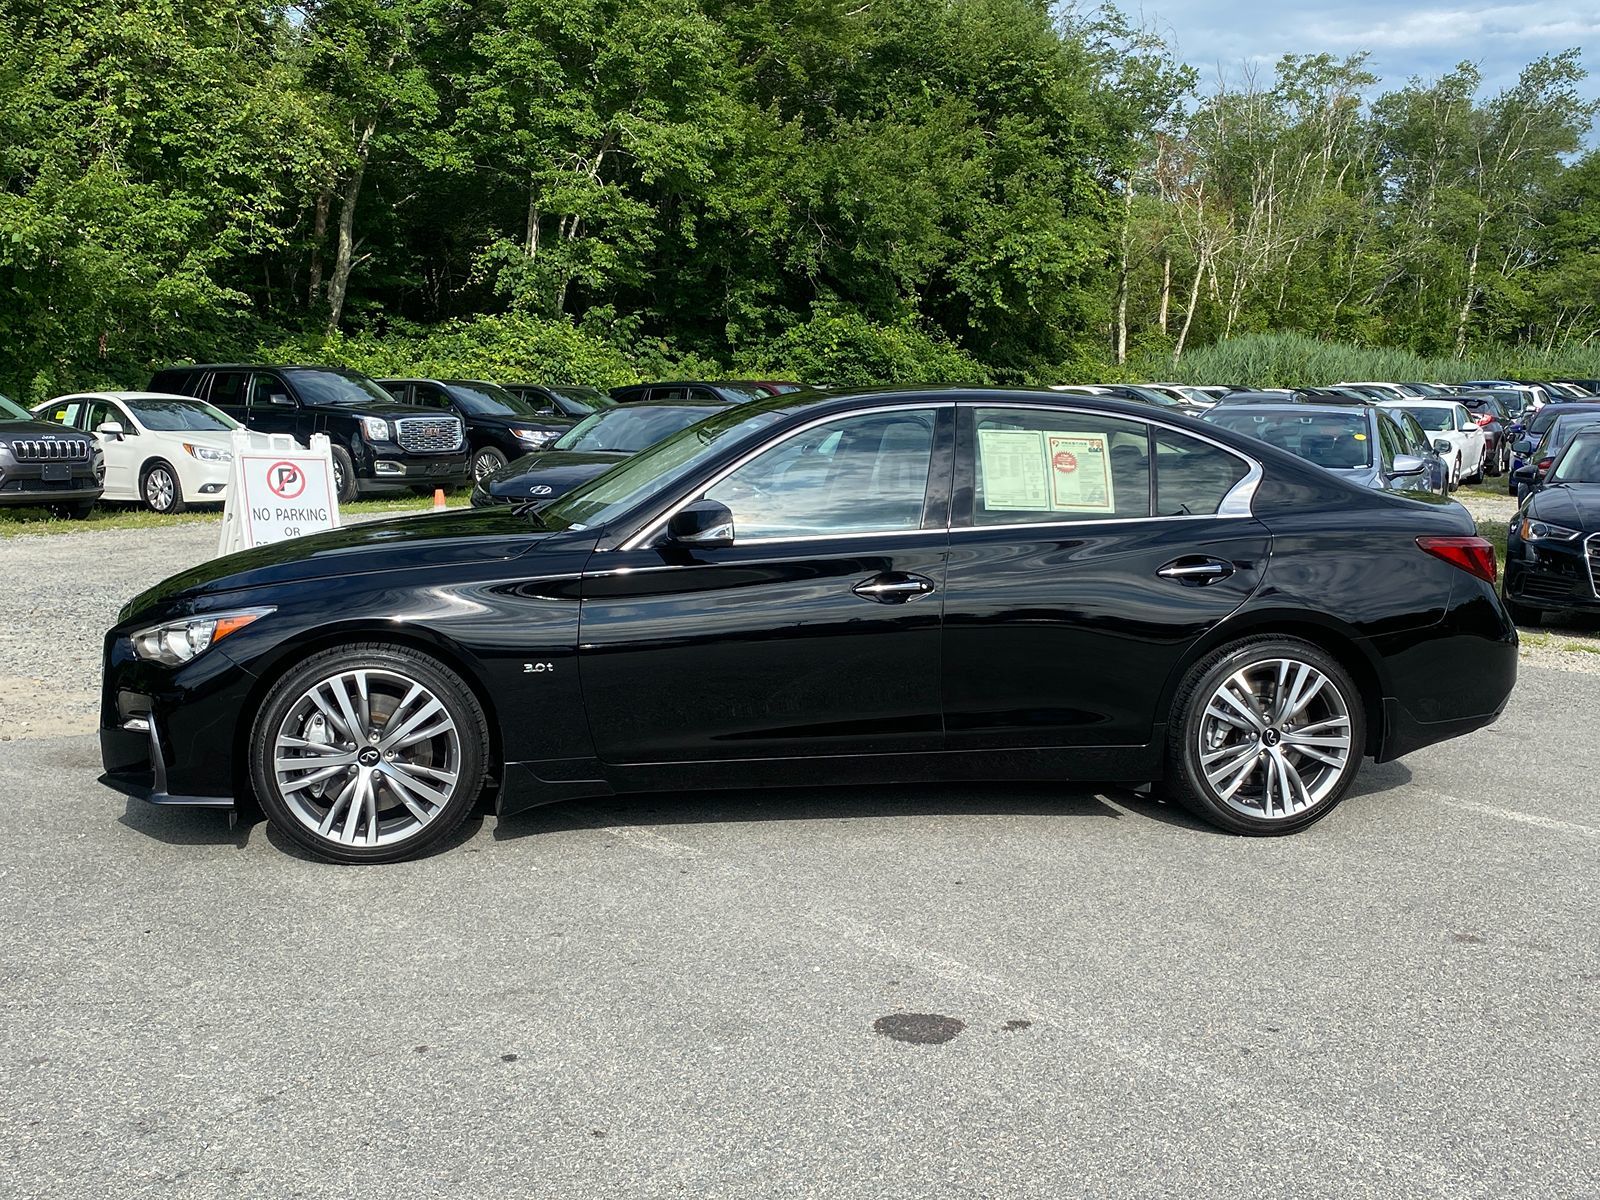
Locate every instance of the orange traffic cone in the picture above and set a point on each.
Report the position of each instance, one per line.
(438, 499)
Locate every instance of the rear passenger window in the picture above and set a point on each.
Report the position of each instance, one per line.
(230, 388)
(1044, 465)
(1193, 476)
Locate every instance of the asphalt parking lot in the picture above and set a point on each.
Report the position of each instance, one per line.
(708, 995)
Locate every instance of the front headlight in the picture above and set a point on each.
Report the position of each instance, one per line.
(208, 454)
(178, 642)
(534, 437)
(375, 429)
(1542, 531)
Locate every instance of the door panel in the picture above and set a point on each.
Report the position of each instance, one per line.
(1087, 557)
(816, 632)
(123, 456)
(764, 651)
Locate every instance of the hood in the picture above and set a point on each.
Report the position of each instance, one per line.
(407, 543)
(507, 421)
(558, 470)
(392, 409)
(1575, 505)
(28, 430)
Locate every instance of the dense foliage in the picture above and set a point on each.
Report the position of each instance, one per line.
(839, 190)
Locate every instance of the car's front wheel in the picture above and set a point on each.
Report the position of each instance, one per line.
(486, 462)
(1266, 736)
(344, 475)
(369, 753)
(160, 489)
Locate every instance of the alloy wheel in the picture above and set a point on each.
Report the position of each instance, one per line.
(366, 757)
(1274, 740)
(160, 489)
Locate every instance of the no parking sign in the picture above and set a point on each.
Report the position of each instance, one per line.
(279, 490)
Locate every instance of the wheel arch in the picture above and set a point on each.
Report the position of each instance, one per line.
(291, 652)
(1338, 641)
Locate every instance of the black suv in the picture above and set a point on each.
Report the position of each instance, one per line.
(379, 445)
(47, 464)
(500, 426)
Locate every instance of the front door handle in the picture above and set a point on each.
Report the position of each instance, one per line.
(893, 587)
(1196, 572)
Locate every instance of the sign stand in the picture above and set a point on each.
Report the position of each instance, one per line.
(277, 489)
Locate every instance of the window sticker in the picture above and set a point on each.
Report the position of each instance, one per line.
(1014, 474)
(1045, 471)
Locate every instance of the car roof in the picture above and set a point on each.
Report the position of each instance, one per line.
(124, 396)
(1421, 402)
(1290, 408)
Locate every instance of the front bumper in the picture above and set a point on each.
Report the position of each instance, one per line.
(388, 473)
(1552, 576)
(136, 765)
(26, 483)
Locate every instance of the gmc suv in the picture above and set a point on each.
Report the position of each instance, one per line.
(379, 445)
(46, 464)
(500, 427)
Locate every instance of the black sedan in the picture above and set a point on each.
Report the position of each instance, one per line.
(1553, 546)
(865, 588)
(561, 399)
(590, 448)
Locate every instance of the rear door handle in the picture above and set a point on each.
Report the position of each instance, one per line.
(1196, 572)
(893, 588)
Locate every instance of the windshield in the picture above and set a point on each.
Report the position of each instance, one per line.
(611, 494)
(1337, 441)
(10, 411)
(335, 387)
(1581, 462)
(180, 416)
(490, 400)
(1434, 420)
(628, 430)
(592, 399)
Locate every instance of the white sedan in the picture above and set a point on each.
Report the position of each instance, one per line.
(1451, 421)
(165, 452)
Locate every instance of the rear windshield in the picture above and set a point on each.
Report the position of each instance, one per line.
(1434, 420)
(1337, 441)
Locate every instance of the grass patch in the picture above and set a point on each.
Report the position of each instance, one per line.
(15, 522)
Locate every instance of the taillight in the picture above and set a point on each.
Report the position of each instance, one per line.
(1472, 554)
(1544, 463)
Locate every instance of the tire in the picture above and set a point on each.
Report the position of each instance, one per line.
(411, 797)
(1521, 614)
(344, 475)
(486, 462)
(1455, 474)
(1478, 475)
(1244, 803)
(160, 489)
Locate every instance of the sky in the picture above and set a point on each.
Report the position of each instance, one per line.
(1404, 39)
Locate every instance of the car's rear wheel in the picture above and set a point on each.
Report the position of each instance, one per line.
(486, 462)
(369, 753)
(1266, 736)
(160, 489)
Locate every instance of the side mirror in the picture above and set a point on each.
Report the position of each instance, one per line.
(1440, 446)
(1407, 464)
(281, 400)
(1524, 446)
(705, 523)
(1527, 473)
(110, 429)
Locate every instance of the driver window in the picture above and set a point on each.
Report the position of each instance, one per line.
(102, 411)
(860, 474)
(1390, 443)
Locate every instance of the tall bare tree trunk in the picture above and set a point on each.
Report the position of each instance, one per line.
(1188, 316)
(319, 234)
(1466, 300)
(1166, 291)
(531, 245)
(1119, 336)
(344, 257)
